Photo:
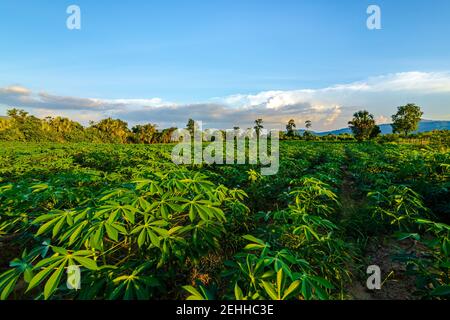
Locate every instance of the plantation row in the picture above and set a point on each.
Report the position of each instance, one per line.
(141, 227)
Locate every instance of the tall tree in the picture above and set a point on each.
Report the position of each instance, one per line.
(167, 135)
(308, 124)
(362, 125)
(290, 127)
(406, 119)
(307, 134)
(144, 133)
(258, 126)
(114, 130)
(191, 126)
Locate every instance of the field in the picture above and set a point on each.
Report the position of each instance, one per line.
(141, 227)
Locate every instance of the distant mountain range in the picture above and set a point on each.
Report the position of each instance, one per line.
(424, 126)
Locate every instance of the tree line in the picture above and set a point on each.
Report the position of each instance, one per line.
(21, 126)
(364, 127)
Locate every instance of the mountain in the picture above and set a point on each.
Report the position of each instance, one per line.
(424, 126)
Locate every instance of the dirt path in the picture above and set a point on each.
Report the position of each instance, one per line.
(396, 285)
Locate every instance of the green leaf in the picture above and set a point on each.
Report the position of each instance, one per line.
(40, 276)
(195, 295)
(46, 226)
(270, 290)
(8, 287)
(403, 235)
(253, 246)
(254, 239)
(53, 282)
(325, 283)
(441, 291)
(279, 281)
(76, 233)
(86, 262)
(294, 285)
(141, 238)
(154, 238)
(238, 292)
(112, 232)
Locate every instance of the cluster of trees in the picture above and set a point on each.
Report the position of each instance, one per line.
(20, 126)
(405, 121)
(364, 127)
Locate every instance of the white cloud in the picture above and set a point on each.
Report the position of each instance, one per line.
(328, 107)
(382, 120)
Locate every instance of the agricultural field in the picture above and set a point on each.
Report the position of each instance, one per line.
(141, 227)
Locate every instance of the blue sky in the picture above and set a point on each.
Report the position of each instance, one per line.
(149, 58)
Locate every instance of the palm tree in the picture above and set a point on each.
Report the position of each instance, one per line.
(308, 124)
(258, 126)
(114, 130)
(362, 125)
(144, 133)
(290, 128)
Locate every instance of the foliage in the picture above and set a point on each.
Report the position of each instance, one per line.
(290, 128)
(258, 126)
(362, 125)
(406, 119)
(140, 227)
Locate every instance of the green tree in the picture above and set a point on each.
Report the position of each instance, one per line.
(308, 124)
(290, 127)
(307, 134)
(144, 133)
(258, 126)
(192, 127)
(406, 119)
(375, 132)
(25, 127)
(166, 135)
(64, 129)
(113, 130)
(362, 125)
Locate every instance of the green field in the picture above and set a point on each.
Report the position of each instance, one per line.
(141, 227)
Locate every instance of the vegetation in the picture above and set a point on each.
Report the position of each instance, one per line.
(20, 126)
(362, 125)
(258, 126)
(406, 119)
(290, 128)
(141, 227)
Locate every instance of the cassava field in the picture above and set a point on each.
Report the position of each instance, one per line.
(141, 227)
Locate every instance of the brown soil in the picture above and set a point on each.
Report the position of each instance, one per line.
(396, 284)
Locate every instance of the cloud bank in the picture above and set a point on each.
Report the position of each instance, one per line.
(328, 108)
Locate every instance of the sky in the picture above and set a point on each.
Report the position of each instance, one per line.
(225, 62)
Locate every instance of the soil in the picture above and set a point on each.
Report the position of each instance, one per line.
(396, 284)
